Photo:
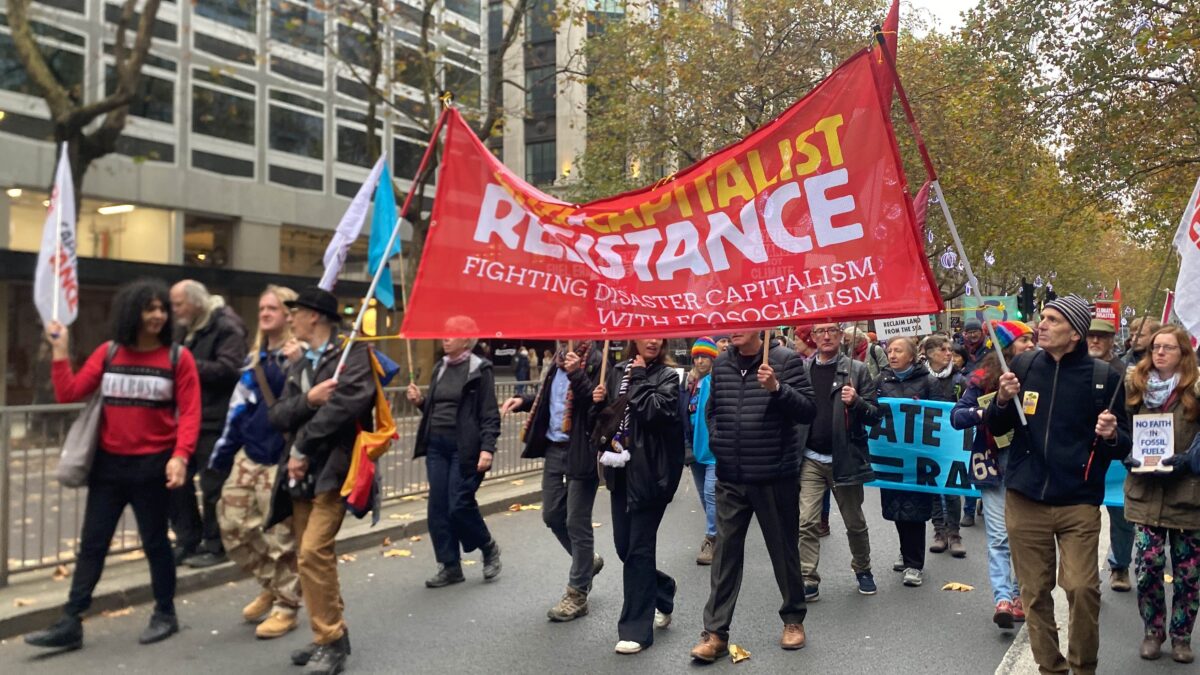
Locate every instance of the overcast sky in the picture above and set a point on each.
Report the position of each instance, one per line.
(946, 11)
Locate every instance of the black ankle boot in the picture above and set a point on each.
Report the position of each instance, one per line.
(491, 560)
(66, 633)
(330, 659)
(446, 575)
(161, 627)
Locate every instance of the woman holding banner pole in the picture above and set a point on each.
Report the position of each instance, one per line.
(1165, 507)
(988, 457)
(905, 378)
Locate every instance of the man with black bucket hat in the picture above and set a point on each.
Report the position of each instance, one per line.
(1055, 478)
(320, 413)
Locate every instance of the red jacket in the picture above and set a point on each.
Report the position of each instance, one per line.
(147, 408)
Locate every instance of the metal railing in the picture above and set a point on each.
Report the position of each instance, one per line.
(43, 519)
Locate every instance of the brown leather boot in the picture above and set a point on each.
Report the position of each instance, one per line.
(1181, 651)
(956, 546)
(1151, 648)
(939, 543)
(1119, 581)
(573, 605)
(705, 557)
(259, 606)
(793, 636)
(710, 648)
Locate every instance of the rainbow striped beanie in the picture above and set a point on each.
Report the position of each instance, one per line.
(705, 346)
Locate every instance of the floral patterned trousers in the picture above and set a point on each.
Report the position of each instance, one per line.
(1153, 545)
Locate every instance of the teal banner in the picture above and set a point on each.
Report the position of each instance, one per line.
(914, 448)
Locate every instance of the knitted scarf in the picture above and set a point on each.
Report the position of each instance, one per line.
(618, 454)
(1158, 390)
(582, 350)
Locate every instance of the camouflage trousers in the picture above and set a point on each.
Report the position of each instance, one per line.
(271, 555)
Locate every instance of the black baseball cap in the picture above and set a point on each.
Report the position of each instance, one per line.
(318, 300)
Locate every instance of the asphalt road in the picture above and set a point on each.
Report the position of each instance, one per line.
(397, 625)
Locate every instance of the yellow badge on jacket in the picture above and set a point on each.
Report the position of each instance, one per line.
(1030, 402)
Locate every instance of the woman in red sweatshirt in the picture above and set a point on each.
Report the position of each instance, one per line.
(148, 427)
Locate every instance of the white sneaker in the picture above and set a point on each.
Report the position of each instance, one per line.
(913, 577)
(661, 620)
(898, 566)
(628, 647)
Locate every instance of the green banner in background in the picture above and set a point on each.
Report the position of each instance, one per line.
(995, 307)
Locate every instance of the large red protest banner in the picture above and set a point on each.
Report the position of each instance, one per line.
(807, 219)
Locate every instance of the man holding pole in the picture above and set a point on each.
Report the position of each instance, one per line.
(1055, 478)
(558, 430)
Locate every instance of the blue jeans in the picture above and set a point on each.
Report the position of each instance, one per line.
(1120, 539)
(1000, 569)
(705, 476)
(454, 517)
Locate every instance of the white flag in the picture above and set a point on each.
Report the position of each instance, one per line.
(1187, 286)
(350, 227)
(56, 279)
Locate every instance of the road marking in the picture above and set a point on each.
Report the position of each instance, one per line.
(1018, 660)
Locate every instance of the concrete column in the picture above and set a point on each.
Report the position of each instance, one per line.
(175, 239)
(255, 247)
(514, 101)
(5, 221)
(570, 106)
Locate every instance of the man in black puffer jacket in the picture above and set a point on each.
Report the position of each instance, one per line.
(1055, 478)
(754, 412)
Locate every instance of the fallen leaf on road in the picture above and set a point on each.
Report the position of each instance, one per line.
(595, 525)
(347, 557)
(519, 481)
(412, 498)
(470, 562)
(23, 602)
(531, 507)
(737, 654)
(387, 541)
(114, 613)
(61, 572)
(397, 553)
(514, 507)
(401, 516)
(133, 555)
(956, 586)
(1168, 578)
(415, 537)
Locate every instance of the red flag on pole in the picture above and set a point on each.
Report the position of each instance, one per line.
(883, 77)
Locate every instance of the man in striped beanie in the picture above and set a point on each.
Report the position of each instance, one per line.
(1055, 477)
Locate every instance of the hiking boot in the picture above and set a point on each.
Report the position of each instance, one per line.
(812, 592)
(206, 559)
(866, 583)
(303, 655)
(710, 648)
(1181, 651)
(446, 575)
(1004, 615)
(968, 520)
(705, 556)
(597, 564)
(899, 565)
(279, 623)
(573, 605)
(1119, 581)
(161, 627)
(793, 636)
(491, 560)
(66, 633)
(939, 543)
(628, 647)
(330, 659)
(1018, 610)
(914, 577)
(661, 619)
(1151, 648)
(258, 607)
(957, 549)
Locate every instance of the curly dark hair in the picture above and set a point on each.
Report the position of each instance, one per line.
(127, 308)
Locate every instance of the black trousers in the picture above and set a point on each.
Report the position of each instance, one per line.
(194, 532)
(454, 517)
(635, 534)
(776, 505)
(567, 511)
(117, 480)
(912, 543)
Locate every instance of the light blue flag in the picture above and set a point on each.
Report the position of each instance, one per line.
(383, 219)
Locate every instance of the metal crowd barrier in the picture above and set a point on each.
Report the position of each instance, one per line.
(43, 519)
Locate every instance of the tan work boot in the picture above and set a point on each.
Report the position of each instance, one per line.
(957, 549)
(939, 543)
(710, 648)
(793, 636)
(573, 605)
(258, 607)
(705, 557)
(1119, 581)
(280, 623)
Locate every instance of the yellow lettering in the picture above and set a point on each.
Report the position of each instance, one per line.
(812, 156)
(685, 204)
(701, 184)
(757, 174)
(785, 156)
(731, 182)
(829, 127)
(618, 222)
(655, 206)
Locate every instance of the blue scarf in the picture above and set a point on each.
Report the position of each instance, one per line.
(906, 373)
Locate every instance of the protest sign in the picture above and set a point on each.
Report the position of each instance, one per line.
(994, 308)
(806, 220)
(903, 326)
(1153, 441)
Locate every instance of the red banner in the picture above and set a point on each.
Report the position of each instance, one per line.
(805, 220)
(1110, 312)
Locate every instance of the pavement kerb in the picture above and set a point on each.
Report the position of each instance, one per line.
(127, 583)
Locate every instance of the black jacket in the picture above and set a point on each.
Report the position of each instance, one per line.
(220, 350)
(325, 435)
(655, 436)
(1048, 460)
(755, 434)
(904, 505)
(478, 414)
(581, 456)
(851, 458)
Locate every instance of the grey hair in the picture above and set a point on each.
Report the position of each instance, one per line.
(196, 293)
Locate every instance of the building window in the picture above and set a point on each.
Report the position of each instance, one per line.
(134, 233)
(468, 8)
(302, 253)
(226, 166)
(408, 67)
(352, 146)
(539, 22)
(64, 62)
(223, 49)
(539, 91)
(153, 100)
(297, 72)
(207, 241)
(354, 47)
(237, 13)
(222, 114)
(296, 132)
(295, 178)
(539, 163)
(298, 24)
(406, 157)
(464, 84)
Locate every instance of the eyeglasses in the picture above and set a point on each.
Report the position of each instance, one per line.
(826, 331)
(1165, 348)
(1099, 336)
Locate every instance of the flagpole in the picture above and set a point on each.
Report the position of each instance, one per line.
(58, 225)
(362, 310)
(941, 198)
